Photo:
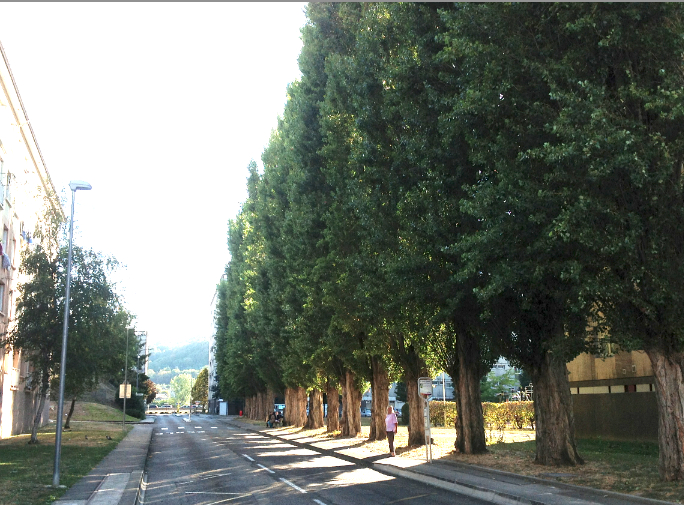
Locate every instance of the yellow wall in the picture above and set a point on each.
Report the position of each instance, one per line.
(623, 365)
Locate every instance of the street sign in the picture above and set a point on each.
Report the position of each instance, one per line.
(127, 394)
(425, 386)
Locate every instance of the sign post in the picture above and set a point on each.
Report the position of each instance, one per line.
(425, 390)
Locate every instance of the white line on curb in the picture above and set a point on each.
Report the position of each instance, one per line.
(293, 485)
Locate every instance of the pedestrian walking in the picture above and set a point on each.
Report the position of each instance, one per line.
(391, 424)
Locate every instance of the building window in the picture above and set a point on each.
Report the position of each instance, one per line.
(2, 298)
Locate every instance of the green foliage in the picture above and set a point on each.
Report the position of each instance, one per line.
(181, 387)
(200, 389)
(192, 356)
(97, 319)
(405, 414)
(441, 411)
(497, 388)
(135, 405)
(400, 391)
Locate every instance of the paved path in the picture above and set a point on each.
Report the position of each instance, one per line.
(117, 478)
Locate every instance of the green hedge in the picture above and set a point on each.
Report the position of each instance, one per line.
(497, 416)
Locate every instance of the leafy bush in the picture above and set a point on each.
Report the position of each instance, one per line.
(404, 414)
(437, 411)
(497, 416)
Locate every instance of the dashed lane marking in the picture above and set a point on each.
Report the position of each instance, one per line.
(319, 502)
(294, 486)
(267, 469)
(248, 457)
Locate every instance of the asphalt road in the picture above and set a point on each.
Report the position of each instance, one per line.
(205, 462)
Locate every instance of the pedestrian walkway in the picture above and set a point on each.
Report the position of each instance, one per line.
(117, 478)
(493, 486)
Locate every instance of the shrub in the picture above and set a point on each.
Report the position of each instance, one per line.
(437, 411)
(404, 414)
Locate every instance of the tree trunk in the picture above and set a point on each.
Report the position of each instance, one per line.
(380, 399)
(333, 408)
(295, 406)
(289, 405)
(352, 403)
(67, 426)
(554, 419)
(669, 387)
(44, 388)
(343, 386)
(470, 431)
(416, 403)
(315, 417)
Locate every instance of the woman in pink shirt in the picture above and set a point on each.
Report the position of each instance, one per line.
(391, 427)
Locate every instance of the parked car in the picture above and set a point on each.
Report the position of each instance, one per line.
(366, 413)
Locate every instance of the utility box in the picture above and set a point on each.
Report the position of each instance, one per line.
(223, 408)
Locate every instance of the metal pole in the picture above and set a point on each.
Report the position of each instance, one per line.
(65, 331)
(444, 396)
(125, 388)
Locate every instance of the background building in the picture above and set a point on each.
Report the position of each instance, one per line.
(26, 192)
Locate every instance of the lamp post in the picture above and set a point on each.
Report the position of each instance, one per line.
(125, 388)
(74, 186)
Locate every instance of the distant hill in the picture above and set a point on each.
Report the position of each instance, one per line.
(193, 356)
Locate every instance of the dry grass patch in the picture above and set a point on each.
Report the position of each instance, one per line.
(624, 467)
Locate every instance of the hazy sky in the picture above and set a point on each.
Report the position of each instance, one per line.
(161, 107)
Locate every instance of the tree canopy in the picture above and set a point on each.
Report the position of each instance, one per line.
(453, 182)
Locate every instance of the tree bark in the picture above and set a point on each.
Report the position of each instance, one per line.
(67, 426)
(470, 431)
(351, 402)
(380, 399)
(416, 403)
(333, 408)
(554, 419)
(343, 386)
(44, 388)
(315, 418)
(669, 385)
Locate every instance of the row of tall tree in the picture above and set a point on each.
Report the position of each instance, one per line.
(454, 182)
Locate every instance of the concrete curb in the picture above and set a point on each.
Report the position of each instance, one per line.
(467, 489)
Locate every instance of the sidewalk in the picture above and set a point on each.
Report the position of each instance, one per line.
(494, 486)
(116, 479)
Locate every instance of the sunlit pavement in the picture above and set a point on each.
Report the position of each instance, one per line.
(206, 461)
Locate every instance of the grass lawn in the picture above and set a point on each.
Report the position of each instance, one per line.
(26, 470)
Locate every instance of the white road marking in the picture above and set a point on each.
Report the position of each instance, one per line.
(319, 502)
(216, 476)
(214, 428)
(248, 457)
(267, 469)
(190, 431)
(293, 485)
(164, 428)
(197, 427)
(207, 492)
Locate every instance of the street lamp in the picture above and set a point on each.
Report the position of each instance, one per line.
(75, 186)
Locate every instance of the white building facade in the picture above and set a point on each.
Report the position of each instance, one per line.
(26, 192)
